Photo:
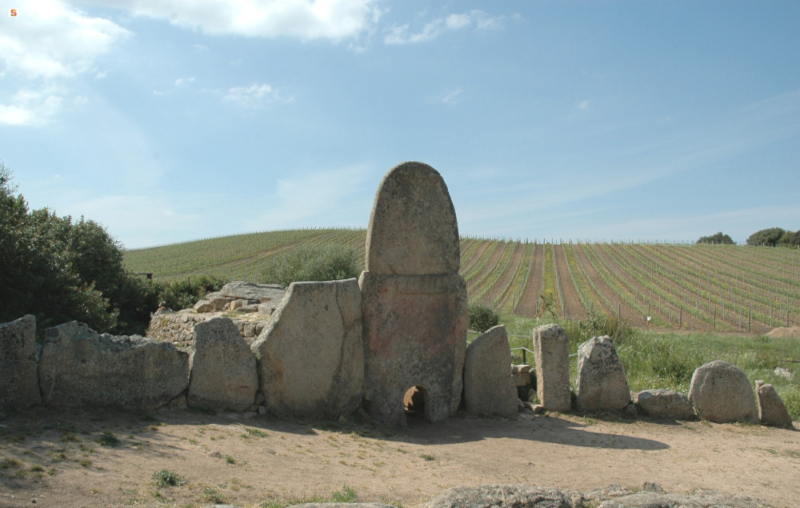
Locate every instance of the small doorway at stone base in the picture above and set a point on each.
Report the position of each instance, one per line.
(414, 403)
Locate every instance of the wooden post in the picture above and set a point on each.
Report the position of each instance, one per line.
(523, 357)
(591, 304)
(723, 311)
(715, 318)
(618, 312)
(750, 319)
(680, 325)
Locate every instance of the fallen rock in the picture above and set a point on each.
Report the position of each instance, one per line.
(261, 293)
(81, 368)
(784, 373)
(771, 409)
(551, 350)
(664, 404)
(19, 383)
(343, 505)
(311, 355)
(204, 306)
(219, 301)
(223, 368)
(602, 384)
(721, 393)
(488, 386)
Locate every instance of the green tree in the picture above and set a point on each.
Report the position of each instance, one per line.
(769, 237)
(719, 238)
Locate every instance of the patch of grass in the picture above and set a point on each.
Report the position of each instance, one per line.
(229, 459)
(346, 495)
(167, 478)
(428, 457)
(10, 462)
(250, 432)
(69, 437)
(85, 462)
(107, 438)
(212, 495)
(37, 469)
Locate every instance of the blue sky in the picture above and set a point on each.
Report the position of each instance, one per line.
(172, 120)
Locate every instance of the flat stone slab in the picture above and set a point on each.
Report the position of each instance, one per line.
(664, 404)
(551, 352)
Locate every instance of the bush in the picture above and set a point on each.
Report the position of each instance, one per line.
(482, 318)
(312, 263)
(719, 238)
(768, 237)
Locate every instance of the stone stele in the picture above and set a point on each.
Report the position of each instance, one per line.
(310, 356)
(489, 387)
(602, 384)
(551, 351)
(19, 383)
(721, 393)
(223, 369)
(771, 409)
(82, 368)
(414, 302)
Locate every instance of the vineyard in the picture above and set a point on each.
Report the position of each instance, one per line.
(677, 286)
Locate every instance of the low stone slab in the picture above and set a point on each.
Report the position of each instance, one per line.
(19, 383)
(551, 350)
(500, 496)
(240, 290)
(81, 368)
(521, 375)
(204, 306)
(602, 384)
(771, 409)
(721, 393)
(664, 404)
(311, 355)
(223, 368)
(488, 386)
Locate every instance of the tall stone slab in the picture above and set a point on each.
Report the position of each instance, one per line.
(551, 351)
(311, 356)
(602, 384)
(489, 387)
(19, 383)
(414, 302)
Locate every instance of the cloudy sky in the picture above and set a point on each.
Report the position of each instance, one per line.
(172, 120)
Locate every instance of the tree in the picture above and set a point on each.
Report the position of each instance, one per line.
(769, 237)
(790, 239)
(719, 238)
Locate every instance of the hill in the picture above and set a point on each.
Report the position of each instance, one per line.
(695, 286)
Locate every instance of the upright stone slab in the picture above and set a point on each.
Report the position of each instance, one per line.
(19, 383)
(602, 384)
(82, 368)
(414, 302)
(311, 356)
(551, 351)
(771, 409)
(223, 368)
(721, 393)
(489, 387)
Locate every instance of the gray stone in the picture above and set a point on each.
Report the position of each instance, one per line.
(664, 404)
(251, 291)
(343, 505)
(19, 383)
(249, 308)
(601, 384)
(521, 374)
(413, 229)
(219, 301)
(204, 306)
(81, 368)
(784, 373)
(266, 308)
(500, 496)
(311, 355)
(702, 499)
(223, 368)
(721, 393)
(551, 352)
(771, 409)
(488, 386)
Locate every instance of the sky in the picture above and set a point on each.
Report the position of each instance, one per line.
(174, 120)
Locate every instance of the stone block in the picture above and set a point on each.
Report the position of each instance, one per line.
(551, 352)
(602, 384)
(721, 393)
(488, 385)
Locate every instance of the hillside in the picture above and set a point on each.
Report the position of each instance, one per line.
(698, 287)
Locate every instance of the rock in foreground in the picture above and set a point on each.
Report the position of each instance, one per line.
(721, 393)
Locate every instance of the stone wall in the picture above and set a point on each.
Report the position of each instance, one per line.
(178, 327)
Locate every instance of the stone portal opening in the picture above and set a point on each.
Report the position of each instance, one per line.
(414, 402)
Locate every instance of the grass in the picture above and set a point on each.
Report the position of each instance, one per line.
(346, 495)
(166, 478)
(107, 438)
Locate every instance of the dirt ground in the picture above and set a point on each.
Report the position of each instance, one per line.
(54, 459)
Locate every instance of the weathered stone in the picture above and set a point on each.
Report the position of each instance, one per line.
(488, 386)
(318, 324)
(19, 383)
(219, 301)
(413, 229)
(266, 308)
(721, 393)
(223, 368)
(771, 409)
(500, 496)
(204, 306)
(601, 384)
(415, 332)
(342, 505)
(251, 291)
(664, 404)
(521, 374)
(81, 368)
(249, 308)
(551, 352)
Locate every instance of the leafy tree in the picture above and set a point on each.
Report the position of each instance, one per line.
(719, 238)
(482, 318)
(790, 239)
(769, 237)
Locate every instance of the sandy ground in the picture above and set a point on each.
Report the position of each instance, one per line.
(53, 459)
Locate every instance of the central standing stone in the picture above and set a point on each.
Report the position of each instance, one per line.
(414, 302)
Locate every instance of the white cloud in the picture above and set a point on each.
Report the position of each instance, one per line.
(49, 39)
(584, 105)
(253, 95)
(304, 19)
(400, 34)
(452, 97)
(183, 81)
(30, 107)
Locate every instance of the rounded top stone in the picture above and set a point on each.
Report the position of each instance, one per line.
(413, 228)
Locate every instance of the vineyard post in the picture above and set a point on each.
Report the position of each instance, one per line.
(680, 323)
(618, 313)
(787, 317)
(723, 311)
(715, 318)
(750, 318)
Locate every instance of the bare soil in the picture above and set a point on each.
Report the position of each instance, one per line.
(527, 304)
(53, 459)
(501, 287)
(628, 313)
(573, 308)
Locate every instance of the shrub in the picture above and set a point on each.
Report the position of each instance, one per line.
(166, 478)
(482, 318)
(312, 263)
(719, 238)
(768, 237)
